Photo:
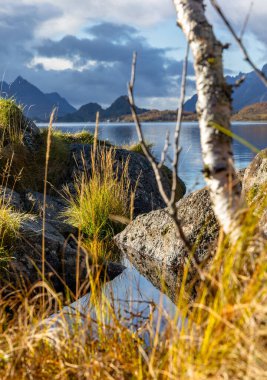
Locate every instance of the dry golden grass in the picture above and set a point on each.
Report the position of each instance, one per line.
(222, 334)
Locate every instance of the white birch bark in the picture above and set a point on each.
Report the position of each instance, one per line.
(214, 110)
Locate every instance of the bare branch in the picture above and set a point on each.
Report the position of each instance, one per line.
(165, 150)
(145, 149)
(260, 74)
(177, 150)
(171, 206)
(246, 20)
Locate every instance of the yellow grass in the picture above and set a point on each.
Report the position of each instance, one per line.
(99, 195)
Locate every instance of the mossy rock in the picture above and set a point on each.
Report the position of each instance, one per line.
(12, 122)
(255, 178)
(255, 188)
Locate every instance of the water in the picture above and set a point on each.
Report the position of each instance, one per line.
(190, 164)
(136, 302)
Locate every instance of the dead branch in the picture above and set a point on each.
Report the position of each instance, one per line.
(157, 168)
(177, 149)
(239, 41)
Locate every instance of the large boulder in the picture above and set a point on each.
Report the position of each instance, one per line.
(140, 172)
(255, 187)
(154, 235)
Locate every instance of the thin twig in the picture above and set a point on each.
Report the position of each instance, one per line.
(149, 156)
(165, 150)
(177, 132)
(171, 206)
(246, 21)
(260, 74)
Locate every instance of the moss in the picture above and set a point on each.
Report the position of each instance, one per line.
(83, 137)
(137, 148)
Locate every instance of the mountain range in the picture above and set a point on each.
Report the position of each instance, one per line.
(250, 91)
(87, 112)
(38, 105)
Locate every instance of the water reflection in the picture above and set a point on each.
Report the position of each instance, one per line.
(132, 298)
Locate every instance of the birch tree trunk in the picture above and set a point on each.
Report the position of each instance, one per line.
(214, 112)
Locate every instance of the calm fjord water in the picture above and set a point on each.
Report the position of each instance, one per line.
(190, 165)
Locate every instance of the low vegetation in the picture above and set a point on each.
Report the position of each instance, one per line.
(221, 334)
(137, 148)
(9, 232)
(253, 112)
(11, 122)
(100, 196)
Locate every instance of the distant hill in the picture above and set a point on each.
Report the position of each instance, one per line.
(87, 112)
(37, 105)
(257, 112)
(251, 91)
(156, 115)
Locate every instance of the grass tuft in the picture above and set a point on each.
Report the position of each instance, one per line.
(137, 148)
(11, 122)
(99, 195)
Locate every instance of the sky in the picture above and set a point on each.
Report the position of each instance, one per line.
(83, 49)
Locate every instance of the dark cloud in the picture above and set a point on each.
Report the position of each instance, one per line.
(115, 32)
(111, 47)
(17, 34)
(101, 61)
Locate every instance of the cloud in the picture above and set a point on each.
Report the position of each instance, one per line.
(129, 12)
(101, 63)
(17, 27)
(51, 44)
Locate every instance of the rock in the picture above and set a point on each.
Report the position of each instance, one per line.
(33, 202)
(140, 172)
(162, 277)
(153, 235)
(31, 134)
(255, 176)
(10, 198)
(60, 259)
(255, 187)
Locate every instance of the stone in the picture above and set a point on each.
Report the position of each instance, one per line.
(55, 206)
(10, 198)
(255, 188)
(60, 259)
(154, 236)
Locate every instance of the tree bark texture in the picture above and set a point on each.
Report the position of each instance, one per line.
(214, 110)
